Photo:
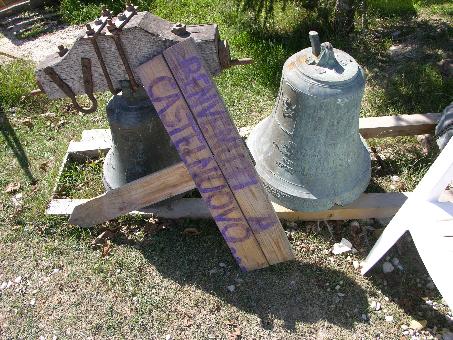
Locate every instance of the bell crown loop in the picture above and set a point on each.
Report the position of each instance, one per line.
(330, 67)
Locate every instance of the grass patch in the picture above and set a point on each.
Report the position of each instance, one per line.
(392, 8)
(436, 7)
(81, 180)
(17, 81)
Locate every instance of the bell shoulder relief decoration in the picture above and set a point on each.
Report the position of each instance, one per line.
(309, 152)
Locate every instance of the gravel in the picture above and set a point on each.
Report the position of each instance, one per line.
(37, 49)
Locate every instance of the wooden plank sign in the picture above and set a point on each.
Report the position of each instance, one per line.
(192, 111)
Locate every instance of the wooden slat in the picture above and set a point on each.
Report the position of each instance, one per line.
(402, 125)
(230, 152)
(374, 205)
(200, 162)
(89, 149)
(145, 191)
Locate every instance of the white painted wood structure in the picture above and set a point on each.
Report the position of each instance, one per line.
(430, 223)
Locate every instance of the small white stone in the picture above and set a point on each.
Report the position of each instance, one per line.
(32, 302)
(417, 325)
(168, 337)
(342, 247)
(18, 279)
(356, 264)
(56, 270)
(373, 305)
(395, 178)
(337, 287)
(3, 285)
(231, 288)
(389, 318)
(387, 267)
(378, 306)
(341, 294)
(221, 264)
(9, 284)
(429, 302)
(386, 298)
(404, 327)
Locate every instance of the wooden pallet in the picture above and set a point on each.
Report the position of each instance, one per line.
(368, 205)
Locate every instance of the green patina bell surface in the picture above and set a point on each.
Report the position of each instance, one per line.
(309, 152)
(141, 144)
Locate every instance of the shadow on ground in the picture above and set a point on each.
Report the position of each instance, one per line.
(300, 291)
(408, 288)
(30, 25)
(13, 142)
(291, 292)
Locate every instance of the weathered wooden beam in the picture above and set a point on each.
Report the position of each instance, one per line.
(142, 38)
(372, 205)
(402, 125)
(191, 109)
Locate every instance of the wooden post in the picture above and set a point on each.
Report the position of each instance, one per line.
(198, 123)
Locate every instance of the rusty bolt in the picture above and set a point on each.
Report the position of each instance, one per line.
(121, 16)
(105, 12)
(62, 50)
(179, 29)
(111, 25)
(90, 30)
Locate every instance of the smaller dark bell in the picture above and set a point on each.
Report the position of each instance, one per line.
(141, 144)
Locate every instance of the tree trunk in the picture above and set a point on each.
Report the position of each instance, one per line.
(344, 16)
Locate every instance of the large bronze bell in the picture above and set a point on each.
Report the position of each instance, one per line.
(309, 152)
